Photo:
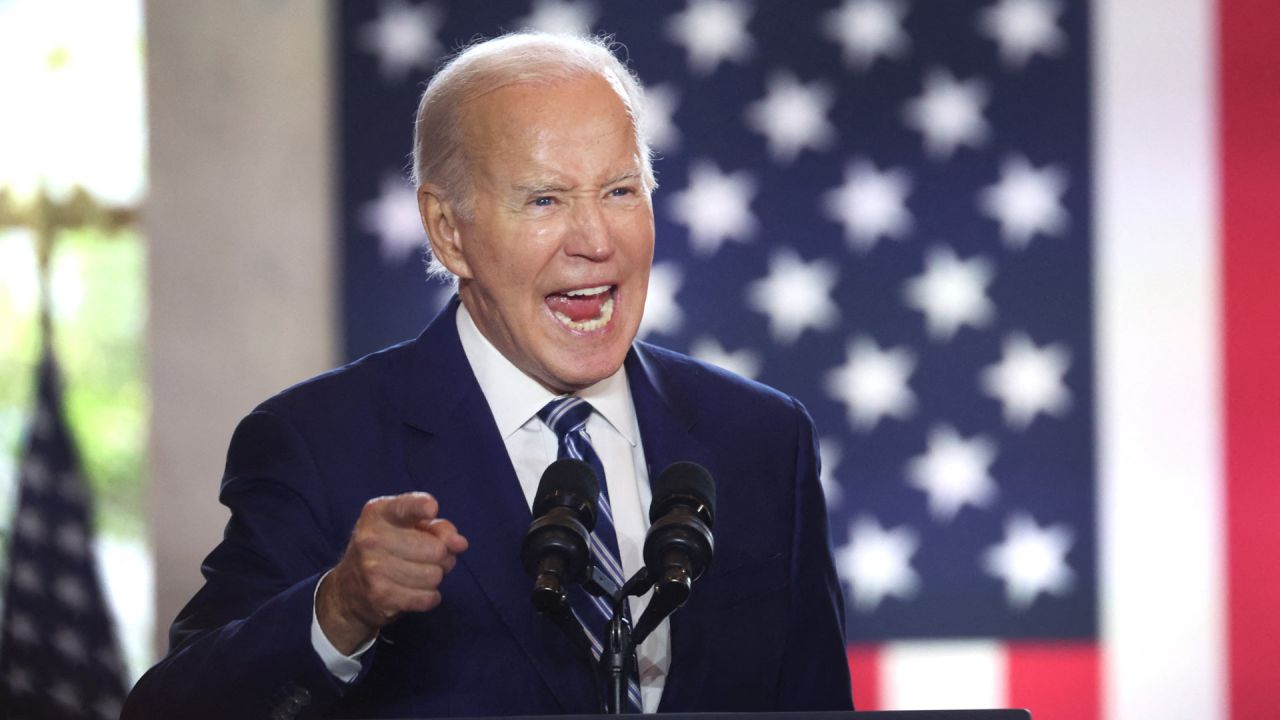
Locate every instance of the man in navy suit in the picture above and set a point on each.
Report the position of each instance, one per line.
(341, 589)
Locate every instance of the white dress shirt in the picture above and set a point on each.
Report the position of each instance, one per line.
(515, 399)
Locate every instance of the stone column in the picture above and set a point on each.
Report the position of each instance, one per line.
(239, 222)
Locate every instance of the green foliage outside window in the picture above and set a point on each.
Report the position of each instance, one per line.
(99, 319)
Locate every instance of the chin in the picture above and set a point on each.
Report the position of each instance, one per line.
(576, 373)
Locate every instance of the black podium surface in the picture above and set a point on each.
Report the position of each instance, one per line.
(1003, 714)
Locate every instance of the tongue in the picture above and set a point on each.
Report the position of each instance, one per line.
(578, 307)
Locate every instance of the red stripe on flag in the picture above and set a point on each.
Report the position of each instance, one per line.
(864, 676)
(1058, 681)
(1249, 123)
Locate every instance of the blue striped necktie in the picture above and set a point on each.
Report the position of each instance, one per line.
(567, 417)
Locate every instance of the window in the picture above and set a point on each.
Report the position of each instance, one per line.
(73, 116)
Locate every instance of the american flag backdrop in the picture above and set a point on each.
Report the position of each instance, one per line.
(998, 295)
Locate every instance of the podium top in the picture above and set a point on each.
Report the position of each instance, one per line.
(940, 715)
(1000, 714)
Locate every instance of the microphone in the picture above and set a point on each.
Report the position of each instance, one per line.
(679, 544)
(555, 551)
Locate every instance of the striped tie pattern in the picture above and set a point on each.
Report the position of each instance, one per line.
(567, 417)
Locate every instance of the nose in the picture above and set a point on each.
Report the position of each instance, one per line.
(589, 233)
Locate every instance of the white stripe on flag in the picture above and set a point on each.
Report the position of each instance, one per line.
(936, 675)
(1160, 466)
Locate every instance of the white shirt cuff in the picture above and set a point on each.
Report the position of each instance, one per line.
(342, 667)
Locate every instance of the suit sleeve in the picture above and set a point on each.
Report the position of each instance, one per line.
(242, 646)
(815, 670)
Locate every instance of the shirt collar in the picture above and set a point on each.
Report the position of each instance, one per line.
(514, 398)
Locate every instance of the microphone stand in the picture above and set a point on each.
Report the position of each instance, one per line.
(618, 656)
(552, 601)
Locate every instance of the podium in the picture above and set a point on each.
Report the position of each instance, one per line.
(822, 715)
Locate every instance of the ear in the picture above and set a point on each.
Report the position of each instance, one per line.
(440, 220)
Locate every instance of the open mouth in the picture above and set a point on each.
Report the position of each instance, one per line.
(584, 309)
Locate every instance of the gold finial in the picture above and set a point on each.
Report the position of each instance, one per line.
(48, 217)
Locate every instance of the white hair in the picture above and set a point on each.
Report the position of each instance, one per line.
(439, 152)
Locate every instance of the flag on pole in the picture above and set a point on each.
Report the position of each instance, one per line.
(59, 659)
(981, 240)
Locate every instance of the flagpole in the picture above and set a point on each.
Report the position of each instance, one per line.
(45, 232)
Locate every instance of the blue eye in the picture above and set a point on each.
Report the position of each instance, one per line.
(620, 191)
(542, 201)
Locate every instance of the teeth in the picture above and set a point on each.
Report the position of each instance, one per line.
(606, 313)
(588, 291)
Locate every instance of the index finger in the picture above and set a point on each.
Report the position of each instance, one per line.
(410, 509)
(448, 534)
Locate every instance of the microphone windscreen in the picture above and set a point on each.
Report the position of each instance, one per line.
(566, 482)
(683, 480)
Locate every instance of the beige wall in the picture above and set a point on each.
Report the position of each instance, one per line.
(240, 222)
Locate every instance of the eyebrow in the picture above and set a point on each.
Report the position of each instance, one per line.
(627, 175)
(543, 188)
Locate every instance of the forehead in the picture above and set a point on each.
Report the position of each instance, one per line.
(573, 124)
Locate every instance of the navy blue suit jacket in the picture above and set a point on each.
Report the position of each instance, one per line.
(763, 629)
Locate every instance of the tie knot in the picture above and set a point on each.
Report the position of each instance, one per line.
(565, 414)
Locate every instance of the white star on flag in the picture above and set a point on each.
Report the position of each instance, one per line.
(71, 488)
(394, 218)
(949, 113)
(71, 592)
(712, 31)
(64, 693)
(23, 628)
(1031, 560)
(866, 30)
(20, 681)
(796, 295)
(107, 708)
(1026, 201)
(872, 383)
(30, 526)
(68, 643)
(744, 362)
(44, 420)
(871, 204)
(71, 540)
(1029, 380)
(830, 454)
(793, 116)
(876, 563)
(35, 471)
(954, 472)
(403, 37)
(27, 577)
(656, 122)
(951, 292)
(1023, 28)
(715, 207)
(661, 310)
(561, 17)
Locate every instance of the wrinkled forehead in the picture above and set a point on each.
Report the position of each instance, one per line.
(582, 108)
(554, 75)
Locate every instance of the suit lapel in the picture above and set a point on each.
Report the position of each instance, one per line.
(456, 453)
(667, 419)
